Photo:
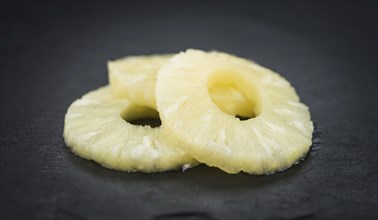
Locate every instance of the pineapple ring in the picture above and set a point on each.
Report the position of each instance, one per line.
(95, 129)
(277, 137)
(134, 77)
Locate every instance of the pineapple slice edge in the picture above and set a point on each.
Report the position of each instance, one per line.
(134, 77)
(95, 130)
(278, 137)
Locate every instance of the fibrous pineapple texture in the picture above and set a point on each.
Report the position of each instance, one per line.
(279, 130)
(134, 77)
(96, 128)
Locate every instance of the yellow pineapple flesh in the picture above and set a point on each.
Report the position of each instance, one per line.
(277, 135)
(134, 77)
(96, 128)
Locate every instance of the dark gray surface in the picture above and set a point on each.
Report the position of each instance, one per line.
(52, 53)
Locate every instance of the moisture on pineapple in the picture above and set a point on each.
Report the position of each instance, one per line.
(134, 77)
(222, 110)
(277, 135)
(95, 129)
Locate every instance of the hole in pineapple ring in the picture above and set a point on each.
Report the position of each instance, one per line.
(141, 115)
(234, 94)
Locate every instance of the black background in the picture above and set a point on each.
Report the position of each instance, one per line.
(54, 52)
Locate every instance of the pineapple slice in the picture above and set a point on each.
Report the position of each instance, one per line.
(277, 135)
(134, 77)
(95, 128)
